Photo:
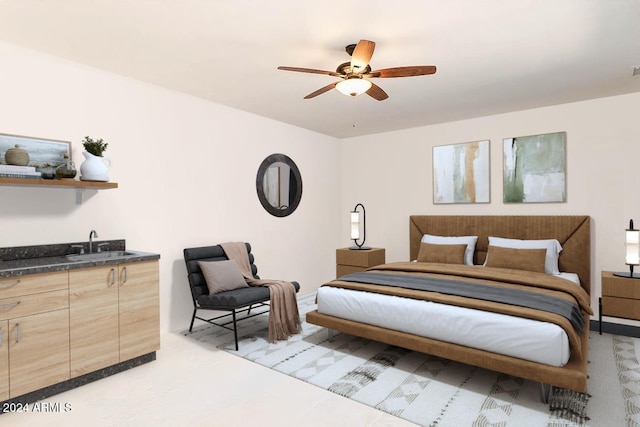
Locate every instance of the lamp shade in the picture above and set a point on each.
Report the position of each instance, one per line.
(355, 225)
(632, 247)
(631, 251)
(353, 86)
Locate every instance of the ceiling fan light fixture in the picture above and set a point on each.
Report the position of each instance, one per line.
(353, 86)
(356, 73)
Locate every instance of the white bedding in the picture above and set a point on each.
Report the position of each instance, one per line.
(533, 340)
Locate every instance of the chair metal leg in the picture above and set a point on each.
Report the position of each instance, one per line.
(235, 328)
(226, 323)
(193, 318)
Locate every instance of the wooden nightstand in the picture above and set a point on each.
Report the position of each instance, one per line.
(353, 261)
(620, 297)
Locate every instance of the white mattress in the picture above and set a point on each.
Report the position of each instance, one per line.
(533, 340)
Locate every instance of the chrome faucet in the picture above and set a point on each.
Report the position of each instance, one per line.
(92, 234)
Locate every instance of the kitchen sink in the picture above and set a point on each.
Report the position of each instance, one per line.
(100, 256)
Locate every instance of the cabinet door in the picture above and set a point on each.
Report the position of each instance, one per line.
(38, 351)
(93, 319)
(4, 360)
(139, 309)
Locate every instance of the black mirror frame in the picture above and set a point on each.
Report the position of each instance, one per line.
(270, 160)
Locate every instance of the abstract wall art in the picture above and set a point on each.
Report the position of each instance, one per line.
(535, 168)
(461, 173)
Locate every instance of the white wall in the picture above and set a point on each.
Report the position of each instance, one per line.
(391, 174)
(186, 171)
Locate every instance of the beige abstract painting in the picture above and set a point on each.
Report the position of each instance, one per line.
(461, 173)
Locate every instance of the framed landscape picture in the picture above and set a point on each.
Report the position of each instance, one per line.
(461, 173)
(42, 152)
(535, 168)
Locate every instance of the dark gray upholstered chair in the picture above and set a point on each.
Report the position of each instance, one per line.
(236, 301)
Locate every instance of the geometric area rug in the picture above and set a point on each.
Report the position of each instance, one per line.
(431, 391)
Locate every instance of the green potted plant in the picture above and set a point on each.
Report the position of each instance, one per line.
(95, 166)
(95, 147)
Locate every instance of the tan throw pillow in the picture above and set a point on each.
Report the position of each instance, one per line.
(222, 276)
(446, 254)
(516, 259)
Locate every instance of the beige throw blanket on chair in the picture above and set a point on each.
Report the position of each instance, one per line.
(284, 319)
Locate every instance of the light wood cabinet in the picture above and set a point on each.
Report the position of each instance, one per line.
(34, 317)
(93, 323)
(114, 314)
(4, 360)
(357, 260)
(620, 296)
(139, 309)
(58, 326)
(38, 351)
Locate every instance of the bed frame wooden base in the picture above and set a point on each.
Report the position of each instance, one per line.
(571, 376)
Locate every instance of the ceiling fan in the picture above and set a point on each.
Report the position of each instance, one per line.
(356, 74)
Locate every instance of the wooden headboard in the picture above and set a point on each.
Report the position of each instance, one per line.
(573, 233)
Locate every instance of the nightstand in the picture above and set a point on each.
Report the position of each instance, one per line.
(357, 260)
(620, 297)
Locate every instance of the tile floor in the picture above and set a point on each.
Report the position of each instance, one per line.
(193, 385)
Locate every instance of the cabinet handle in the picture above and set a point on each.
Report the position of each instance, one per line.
(112, 274)
(124, 272)
(8, 284)
(18, 332)
(10, 305)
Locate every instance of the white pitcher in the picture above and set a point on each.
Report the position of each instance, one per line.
(94, 168)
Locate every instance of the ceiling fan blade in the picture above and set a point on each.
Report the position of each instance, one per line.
(310, 70)
(417, 70)
(362, 55)
(377, 93)
(321, 90)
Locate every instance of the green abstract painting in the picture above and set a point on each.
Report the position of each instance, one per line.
(535, 168)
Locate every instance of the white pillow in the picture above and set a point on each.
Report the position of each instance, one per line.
(552, 246)
(455, 240)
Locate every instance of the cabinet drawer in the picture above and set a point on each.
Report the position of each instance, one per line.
(342, 270)
(11, 308)
(360, 258)
(33, 284)
(621, 307)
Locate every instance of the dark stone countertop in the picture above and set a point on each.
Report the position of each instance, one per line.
(24, 260)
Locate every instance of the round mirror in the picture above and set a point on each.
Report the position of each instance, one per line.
(279, 185)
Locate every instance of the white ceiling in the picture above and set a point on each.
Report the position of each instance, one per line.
(493, 56)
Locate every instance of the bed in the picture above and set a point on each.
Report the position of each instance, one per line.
(554, 349)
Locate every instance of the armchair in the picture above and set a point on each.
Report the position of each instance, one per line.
(233, 302)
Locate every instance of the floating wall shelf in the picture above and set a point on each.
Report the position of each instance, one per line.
(66, 183)
(60, 183)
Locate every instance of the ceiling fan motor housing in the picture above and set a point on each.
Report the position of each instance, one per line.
(346, 70)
